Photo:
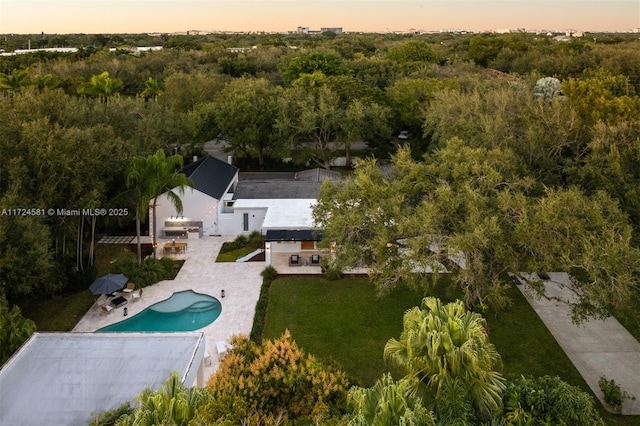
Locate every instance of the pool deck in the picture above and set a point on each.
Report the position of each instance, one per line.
(200, 273)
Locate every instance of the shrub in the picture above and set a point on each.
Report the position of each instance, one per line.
(256, 240)
(548, 399)
(276, 379)
(613, 393)
(268, 275)
(109, 418)
(14, 329)
(333, 274)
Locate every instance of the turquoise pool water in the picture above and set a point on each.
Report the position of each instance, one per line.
(183, 311)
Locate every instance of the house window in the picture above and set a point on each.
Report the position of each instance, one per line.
(245, 222)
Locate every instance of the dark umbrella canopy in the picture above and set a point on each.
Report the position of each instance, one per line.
(109, 283)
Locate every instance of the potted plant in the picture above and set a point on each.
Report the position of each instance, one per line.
(614, 396)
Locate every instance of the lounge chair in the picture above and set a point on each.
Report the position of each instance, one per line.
(129, 288)
(315, 259)
(294, 260)
(106, 308)
(137, 294)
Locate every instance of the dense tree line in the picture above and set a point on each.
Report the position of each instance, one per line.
(71, 123)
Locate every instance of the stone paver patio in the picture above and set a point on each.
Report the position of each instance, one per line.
(200, 273)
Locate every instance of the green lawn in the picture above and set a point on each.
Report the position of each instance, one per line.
(60, 313)
(232, 255)
(344, 323)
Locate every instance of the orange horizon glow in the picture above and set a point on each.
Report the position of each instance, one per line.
(141, 16)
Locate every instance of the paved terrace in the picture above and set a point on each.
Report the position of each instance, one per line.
(200, 273)
(596, 348)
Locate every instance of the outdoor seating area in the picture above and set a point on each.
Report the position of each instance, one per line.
(174, 247)
(137, 294)
(129, 288)
(119, 301)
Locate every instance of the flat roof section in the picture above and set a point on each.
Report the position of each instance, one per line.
(61, 378)
(282, 213)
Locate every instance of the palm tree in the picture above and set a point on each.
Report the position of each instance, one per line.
(387, 403)
(152, 89)
(446, 348)
(172, 404)
(14, 81)
(149, 177)
(101, 86)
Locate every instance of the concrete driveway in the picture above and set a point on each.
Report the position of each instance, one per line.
(596, 348)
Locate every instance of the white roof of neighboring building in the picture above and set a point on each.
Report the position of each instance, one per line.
(61, 378)
(290, 213)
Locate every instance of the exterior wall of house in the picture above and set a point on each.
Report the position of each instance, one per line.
(233, 224)
(197, 206)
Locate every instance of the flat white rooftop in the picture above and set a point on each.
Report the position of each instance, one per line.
(61, 378)
(290, 213)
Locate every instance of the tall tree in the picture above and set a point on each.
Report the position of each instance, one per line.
(245, 112)
(446, 348)
(14, 81)
(311, 119)
(101, 86)
(149, 177)
(469, 209)
(152, 89)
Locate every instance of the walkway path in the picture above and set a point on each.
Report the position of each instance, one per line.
(596, 347)
(201, 273)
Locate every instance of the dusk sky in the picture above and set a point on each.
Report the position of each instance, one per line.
(142, 16)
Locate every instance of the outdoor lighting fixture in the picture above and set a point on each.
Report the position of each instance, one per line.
(222, 293)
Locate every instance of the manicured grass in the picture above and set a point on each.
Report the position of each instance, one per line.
(232, 255)
(109, 255)
(61, 313)
(341, 322)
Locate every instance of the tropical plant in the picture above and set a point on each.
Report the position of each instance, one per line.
(387, 403)
(14, 329)
(149, 177)
(14, 81)
(152, 89)
(276, 380)
(445, 348)
(101, 86)
(548, 400)
(173, 404)
(614, 395)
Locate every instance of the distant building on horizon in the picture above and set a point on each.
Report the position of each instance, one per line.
(307, 30)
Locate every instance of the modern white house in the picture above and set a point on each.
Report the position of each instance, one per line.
(221, 203)
(203, 205)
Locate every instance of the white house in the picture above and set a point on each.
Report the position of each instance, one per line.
(203, 205)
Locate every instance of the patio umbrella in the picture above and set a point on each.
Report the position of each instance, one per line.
(109, 283)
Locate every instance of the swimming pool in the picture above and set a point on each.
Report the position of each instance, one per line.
(183, 311)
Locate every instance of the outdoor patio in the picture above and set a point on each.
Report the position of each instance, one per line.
(200, 273)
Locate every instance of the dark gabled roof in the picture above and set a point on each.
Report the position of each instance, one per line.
(293, 235)
(276, 188)
(210, 175)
